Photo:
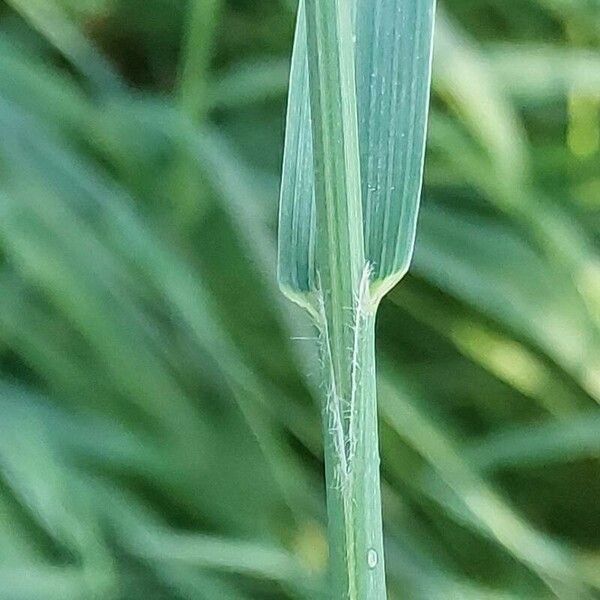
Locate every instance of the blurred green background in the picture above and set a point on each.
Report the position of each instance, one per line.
(159, 422)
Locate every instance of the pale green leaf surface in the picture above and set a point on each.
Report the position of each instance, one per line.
(393, 54)
(296, 209)
(394, 43)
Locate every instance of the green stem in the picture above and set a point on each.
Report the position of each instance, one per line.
(352, 464)
(346, 310)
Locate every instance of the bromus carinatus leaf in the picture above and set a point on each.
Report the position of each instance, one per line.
(351, 183)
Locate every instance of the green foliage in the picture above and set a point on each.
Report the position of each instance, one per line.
(158, 438)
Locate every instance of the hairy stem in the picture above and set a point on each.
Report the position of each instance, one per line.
(346, 312)
(352, 459)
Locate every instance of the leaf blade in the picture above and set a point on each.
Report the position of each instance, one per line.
(393, 48)
(394, 44)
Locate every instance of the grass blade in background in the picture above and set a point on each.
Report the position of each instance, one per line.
(51, 20)
(350, 194)
(194, 91)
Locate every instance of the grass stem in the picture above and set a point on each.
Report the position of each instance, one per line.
(346, 318)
